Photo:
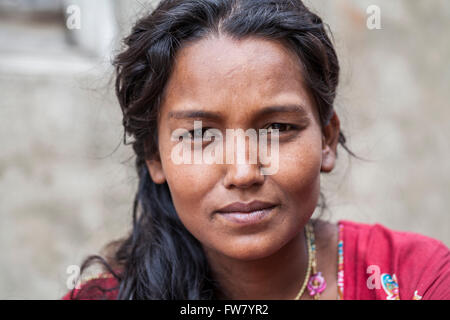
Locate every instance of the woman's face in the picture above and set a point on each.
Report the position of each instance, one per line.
(236, 85)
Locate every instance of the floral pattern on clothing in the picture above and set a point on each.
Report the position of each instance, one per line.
(390, 286)
(417, 296)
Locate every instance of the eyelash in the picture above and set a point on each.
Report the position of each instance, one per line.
(290, 126)
(192, 132)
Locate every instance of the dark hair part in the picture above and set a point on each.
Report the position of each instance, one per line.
(161, 259)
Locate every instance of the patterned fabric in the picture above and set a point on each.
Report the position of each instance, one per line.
(416, 296)
(383, 264)
(388, 282)
(390, 286)
(340, 275)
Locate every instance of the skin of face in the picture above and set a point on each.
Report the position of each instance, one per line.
(236, 79)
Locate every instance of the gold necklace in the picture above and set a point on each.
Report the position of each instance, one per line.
(310, 258)
(316, 282)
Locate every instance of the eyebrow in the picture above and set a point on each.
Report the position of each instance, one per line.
(292, 108)
(191, 114)
(194, 114)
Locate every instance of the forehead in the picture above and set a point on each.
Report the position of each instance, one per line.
(216, 73)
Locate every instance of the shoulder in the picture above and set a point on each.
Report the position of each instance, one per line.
(417, 264)
(381, 240)
(377, 235)
(101, 287)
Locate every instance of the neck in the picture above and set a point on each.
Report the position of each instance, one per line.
(276, 277)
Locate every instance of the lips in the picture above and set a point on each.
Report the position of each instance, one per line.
(243, 208)
(240, 214)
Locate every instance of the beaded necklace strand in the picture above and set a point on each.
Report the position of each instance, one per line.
(315, 283)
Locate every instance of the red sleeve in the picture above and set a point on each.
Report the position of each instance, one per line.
(380, 263)
(96, 289)
(435, 279)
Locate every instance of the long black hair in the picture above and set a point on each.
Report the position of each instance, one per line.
(160, 259)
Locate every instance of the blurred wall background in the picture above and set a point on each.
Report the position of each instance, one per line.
(67, 182)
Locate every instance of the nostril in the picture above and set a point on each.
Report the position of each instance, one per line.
(243, 176)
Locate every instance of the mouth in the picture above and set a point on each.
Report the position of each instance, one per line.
(247, 213)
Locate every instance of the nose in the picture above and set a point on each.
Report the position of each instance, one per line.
(243, 170)
(243, 176)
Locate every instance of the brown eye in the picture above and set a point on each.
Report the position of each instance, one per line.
(280, 127)
(201, 133)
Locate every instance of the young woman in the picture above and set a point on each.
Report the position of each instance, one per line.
(225, 230)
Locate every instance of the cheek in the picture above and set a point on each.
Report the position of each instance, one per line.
(299, 173)
(189, 184)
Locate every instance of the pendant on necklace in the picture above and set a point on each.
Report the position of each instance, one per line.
(316, 284)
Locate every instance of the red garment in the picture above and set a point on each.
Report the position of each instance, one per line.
(92, 289)
(378, 264)
(374, 257)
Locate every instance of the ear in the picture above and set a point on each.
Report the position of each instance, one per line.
(155, 169)
(330, 139)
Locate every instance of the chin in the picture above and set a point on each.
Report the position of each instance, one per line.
(252, 249)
